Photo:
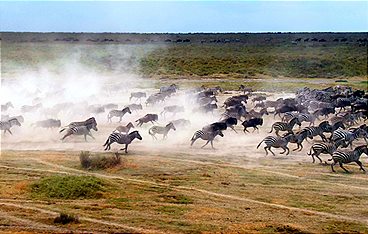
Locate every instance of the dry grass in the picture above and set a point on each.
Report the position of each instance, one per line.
(188, 197)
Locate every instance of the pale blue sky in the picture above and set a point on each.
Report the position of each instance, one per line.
(188, 16)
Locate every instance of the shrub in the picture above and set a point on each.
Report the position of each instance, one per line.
(66, 218)
(68, 187)
(98, 161)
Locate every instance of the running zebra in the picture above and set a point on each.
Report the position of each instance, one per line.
(324, 148)
(281, 126)
(277, 142)
(348, 157)
(318, 131)
(298, 139)
(348, 136)
(208, 136)
(118, 113)
(137, 95)
(161, 130)
(88, 121)
(122, 139)
(6, 125)
(306, 117)
(80, 130)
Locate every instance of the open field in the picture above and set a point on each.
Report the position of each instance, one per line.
(188, 192)
(166, 186)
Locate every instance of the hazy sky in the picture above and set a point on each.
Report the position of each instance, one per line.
(189, 16)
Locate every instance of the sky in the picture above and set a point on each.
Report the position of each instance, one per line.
(184, 16)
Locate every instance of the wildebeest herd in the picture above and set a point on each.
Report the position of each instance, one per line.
(332, 118)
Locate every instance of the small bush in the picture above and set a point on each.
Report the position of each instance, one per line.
(98, 161)
(68, 187)
(65, 219)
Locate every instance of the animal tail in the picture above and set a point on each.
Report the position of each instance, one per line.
(259, 144)
(149, 131)
(310, 151)
(62, 129)
(137, 120)
(330, 159)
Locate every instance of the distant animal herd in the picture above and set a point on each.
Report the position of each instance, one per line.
(333, 118)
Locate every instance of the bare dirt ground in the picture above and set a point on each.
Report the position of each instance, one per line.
(169, 187)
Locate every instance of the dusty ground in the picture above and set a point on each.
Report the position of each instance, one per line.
(170, 187)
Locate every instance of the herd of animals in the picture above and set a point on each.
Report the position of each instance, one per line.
(333, 118)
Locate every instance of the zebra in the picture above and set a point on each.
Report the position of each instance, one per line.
(208, 136)
(6, 106)
(88, 121)
(306, 117)
(314, 131)
(124, 129)
(122, 139)
(348, 136)
(298, 138)
(80, 130)
(161, 130)
(324, 148)
(118, 113)
(348, 157)
(277, 142)
(281, 126)
(6, 125)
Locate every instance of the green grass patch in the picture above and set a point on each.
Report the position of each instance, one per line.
(69, 187)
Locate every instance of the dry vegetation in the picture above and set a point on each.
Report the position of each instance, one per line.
(180, 192)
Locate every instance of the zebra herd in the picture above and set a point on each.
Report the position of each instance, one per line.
(339, 112)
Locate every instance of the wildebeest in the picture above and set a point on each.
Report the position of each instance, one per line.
(181, 122)
(48, 123)
(27, 108)
(252, 123)
(172, 109)
(110, 106)
(135, 107)
(213, 127)
(124, 129)
(147, 118)
(137, 95)
(122, 139)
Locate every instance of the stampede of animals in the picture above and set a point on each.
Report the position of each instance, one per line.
(330, 121)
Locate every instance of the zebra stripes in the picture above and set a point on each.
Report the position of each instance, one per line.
(6, 125)
(80, 130)
(347, 136)
(121, 139)
(281, 126)
(324, 148)
(161, 130)
(277, 142)
(207, 136)
(318, 131)
(348, 157)
(118, 113)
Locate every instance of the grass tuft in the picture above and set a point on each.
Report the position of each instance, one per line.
(68, 187)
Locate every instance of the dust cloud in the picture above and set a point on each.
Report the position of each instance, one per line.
(69, 89)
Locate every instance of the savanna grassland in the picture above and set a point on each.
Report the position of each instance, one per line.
(45, 187)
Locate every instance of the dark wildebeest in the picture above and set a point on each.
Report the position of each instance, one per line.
(48, 123)
(147, 118)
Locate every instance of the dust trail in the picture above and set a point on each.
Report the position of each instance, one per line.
(186, 188)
